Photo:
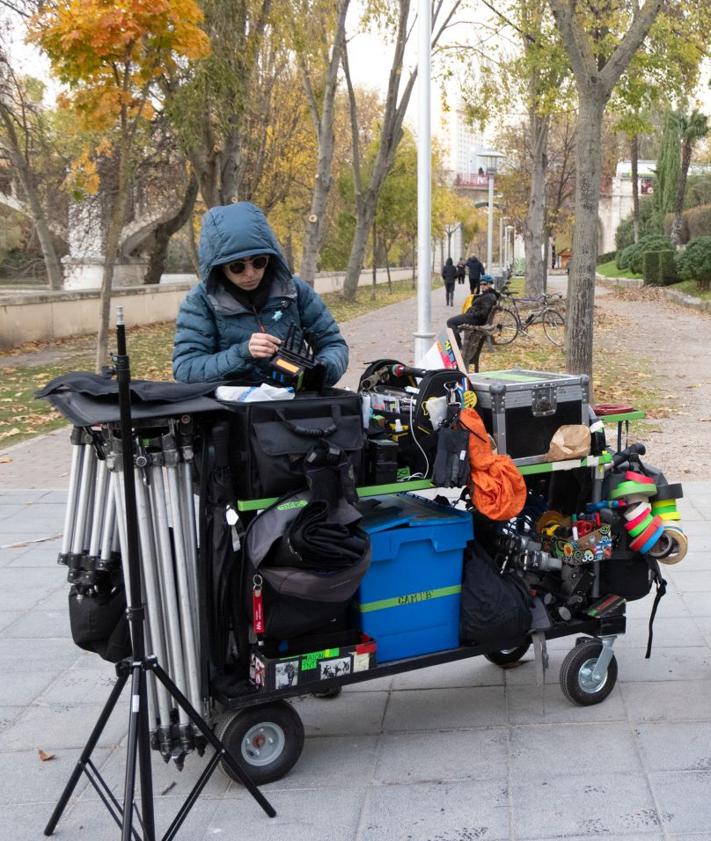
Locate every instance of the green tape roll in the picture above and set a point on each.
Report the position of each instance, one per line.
(629, 488)
(640, 527)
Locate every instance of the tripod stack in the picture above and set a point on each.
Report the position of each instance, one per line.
(130, 524)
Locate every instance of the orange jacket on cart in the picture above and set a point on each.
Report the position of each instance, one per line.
(497, 488)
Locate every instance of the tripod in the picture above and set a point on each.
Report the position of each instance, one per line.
(140, 665)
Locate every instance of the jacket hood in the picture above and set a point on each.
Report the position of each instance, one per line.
(235, 231)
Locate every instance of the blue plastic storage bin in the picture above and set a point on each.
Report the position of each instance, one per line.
(409, 598)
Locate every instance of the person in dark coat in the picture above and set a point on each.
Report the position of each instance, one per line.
(449, 275)
(479, 311)
(231, 324)
(476, 269)
(461, 271)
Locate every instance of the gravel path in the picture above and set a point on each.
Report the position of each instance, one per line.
(674, 343)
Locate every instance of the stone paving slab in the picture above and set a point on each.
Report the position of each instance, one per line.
(458, 752)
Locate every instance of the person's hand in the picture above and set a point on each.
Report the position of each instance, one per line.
(263, 345)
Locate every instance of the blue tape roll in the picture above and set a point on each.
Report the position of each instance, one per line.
(652, 540)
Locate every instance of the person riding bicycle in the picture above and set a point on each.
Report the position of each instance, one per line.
(479, 311)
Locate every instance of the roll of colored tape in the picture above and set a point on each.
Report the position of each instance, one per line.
(633, 523)
(652, 540)
(669, 492)
(664, 547)
(642, 539)
(662, 504)
(631, 476)
(678, 553)
(634, 511)
(633, 488)
(635, 531)
(669, 515)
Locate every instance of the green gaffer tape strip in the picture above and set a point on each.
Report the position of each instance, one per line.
(410, 598)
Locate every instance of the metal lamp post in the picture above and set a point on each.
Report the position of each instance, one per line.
(491, 158)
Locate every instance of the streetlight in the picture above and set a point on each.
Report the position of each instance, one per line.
(491, 159)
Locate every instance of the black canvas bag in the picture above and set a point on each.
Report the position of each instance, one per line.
(495, 608)
(98, 623)
(268, 440)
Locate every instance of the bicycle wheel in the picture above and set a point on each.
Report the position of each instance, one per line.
(554, 327)
(506, 326)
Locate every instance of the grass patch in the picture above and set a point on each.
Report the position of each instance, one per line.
(25, 369)
(691, 287)
(610, 270)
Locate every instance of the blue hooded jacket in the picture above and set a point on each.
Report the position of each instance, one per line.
(213, 328)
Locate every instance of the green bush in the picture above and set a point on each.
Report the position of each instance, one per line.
(631, 257)
(694, 262)
(659, 267)
(698, 221)
(648, 224)
(606, 257)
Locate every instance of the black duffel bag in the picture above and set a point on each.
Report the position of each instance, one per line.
(268, 440)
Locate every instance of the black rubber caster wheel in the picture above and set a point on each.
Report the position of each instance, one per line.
(507, 656)
(576, 675)
(327, 694)
(266, 741)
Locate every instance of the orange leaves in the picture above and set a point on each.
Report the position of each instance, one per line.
(109, 51)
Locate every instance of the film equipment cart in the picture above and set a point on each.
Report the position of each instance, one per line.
(269, 732)
(257, 727)
(126, 517)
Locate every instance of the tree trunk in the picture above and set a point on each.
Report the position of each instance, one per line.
(192, 248)
(678, 223)
(375, 261)
(315, 228)
(534, 230)
(634, 158)
(39, 218)
(581, 291)
(364, 222)
(387, 269)
(164, 232)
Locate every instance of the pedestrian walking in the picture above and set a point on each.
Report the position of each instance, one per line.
(476, 269)
(449, 275)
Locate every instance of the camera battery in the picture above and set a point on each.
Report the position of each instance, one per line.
(382, 461)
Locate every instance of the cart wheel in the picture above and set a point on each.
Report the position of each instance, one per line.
(327, 694)
(576, 675)
(508, 655)
(266, 741)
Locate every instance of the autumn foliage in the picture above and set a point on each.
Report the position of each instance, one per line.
(108, 52)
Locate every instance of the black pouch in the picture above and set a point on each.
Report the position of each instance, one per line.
(268, 440)
(495, 608)
(451, 467)
(99, 624)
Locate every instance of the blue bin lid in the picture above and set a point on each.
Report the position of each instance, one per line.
(406, 509)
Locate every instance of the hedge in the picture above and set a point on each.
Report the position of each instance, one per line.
(659, 267)
(694, 262)
(606, 257)
(632, 256)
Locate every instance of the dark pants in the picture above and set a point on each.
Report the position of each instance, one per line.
(474, 285)
(449, 290)
(457, 321)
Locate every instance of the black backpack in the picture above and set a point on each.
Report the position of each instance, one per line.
(495, 607)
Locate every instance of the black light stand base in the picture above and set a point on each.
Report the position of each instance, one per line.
(138, 751)
(124, 670)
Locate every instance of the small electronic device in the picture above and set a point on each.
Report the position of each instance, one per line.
(294, 364)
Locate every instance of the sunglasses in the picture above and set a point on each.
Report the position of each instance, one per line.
(255, 262)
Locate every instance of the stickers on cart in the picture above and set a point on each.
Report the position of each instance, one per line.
(286, 674)
(335, 668)
(361, 662)
(312, 659)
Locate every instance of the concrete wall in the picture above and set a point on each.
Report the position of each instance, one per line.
(32, 316)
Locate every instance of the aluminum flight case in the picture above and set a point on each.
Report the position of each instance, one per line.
(522, 409)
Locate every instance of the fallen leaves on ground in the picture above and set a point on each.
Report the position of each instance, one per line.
(44, 756)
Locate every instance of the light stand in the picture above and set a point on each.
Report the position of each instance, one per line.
(139, 747)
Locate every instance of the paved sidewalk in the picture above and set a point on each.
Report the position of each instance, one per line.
(458, 752)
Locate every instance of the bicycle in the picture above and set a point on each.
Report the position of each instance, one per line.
(508, 322)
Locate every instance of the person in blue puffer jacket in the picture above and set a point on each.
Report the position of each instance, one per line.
(232, 323)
